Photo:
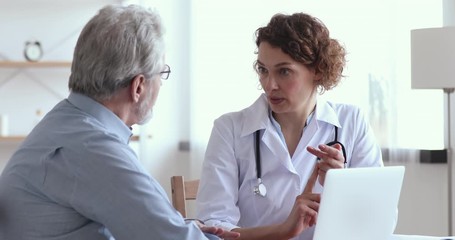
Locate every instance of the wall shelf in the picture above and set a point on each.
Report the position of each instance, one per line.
(43, 64)
(4, 139)
(12, 138)
(39, 64)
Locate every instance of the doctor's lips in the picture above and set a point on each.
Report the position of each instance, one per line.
(275, 100)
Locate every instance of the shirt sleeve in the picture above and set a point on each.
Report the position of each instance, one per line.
(220, 175)
(109, 186)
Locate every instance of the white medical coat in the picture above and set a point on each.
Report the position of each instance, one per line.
(226, 198)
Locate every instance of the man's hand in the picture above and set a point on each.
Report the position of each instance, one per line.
(221, 233)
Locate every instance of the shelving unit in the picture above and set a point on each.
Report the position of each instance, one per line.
(21, 66)
(39, 64)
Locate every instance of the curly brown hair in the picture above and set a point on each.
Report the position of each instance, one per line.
(306, 39)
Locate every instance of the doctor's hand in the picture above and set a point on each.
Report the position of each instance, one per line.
(304, 212)
(330, 157)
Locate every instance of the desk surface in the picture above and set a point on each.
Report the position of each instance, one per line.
(417, 237)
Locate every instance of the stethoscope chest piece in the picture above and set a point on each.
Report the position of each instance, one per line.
(260, 189)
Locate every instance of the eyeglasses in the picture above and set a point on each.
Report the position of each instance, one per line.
(166, 72)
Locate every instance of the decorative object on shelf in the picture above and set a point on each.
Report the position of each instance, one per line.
(38, 116)
(432, 58)
(33, 51)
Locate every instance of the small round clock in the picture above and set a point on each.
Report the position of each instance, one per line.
(33, 51)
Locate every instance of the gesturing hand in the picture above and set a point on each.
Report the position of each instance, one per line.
(305, 209)
(330, 157)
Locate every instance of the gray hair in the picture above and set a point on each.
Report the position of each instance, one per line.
(116, 45)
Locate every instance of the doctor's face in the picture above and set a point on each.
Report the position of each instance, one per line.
(288, 84)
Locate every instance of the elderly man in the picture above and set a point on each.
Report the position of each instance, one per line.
(75, 177)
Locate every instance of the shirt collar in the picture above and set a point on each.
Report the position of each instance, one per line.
(105, 116)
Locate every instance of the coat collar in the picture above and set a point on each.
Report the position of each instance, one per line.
(325, 113)
(256, 117)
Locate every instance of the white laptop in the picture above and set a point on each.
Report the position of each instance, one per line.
(359, 204)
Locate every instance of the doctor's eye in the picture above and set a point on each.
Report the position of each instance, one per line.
(284, 71)
(261, 70)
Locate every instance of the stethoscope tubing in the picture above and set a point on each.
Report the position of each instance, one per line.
(260, 188)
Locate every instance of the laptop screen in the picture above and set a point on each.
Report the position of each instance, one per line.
(359, 203)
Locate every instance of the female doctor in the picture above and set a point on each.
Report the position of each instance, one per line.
(260, 166)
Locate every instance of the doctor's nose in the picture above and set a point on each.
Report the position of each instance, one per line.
(269, 83)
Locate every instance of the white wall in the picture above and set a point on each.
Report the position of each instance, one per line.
(424, 200)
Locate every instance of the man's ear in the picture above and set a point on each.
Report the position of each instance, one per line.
(137, 87)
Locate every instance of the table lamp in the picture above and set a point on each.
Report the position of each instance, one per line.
(433, 67)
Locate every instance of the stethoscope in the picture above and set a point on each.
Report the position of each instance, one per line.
(260, 188)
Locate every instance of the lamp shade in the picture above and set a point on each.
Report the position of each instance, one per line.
(433, 58)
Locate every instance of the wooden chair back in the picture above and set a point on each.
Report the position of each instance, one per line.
(182, 191)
